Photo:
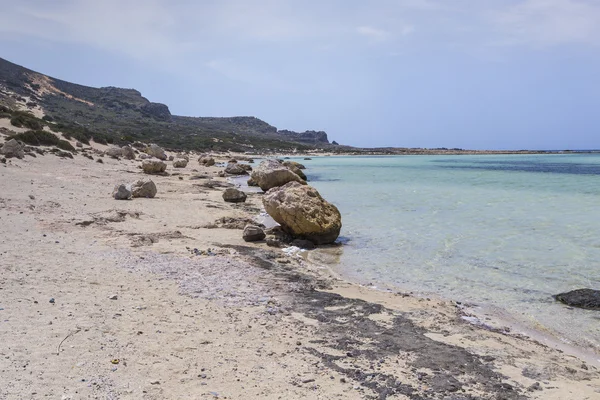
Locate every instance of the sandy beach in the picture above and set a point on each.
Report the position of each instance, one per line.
(162, 299)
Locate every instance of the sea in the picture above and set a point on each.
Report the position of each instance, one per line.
(503, 232)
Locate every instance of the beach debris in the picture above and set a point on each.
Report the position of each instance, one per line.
(272, 173)
(153, 166)
(233, 195)
(12, 149)
(253, 233)
(180, 163)
(115, 361)
(302, 212)
(66, 337)
(581, 298)
(155, 151)
(122, 191)
(144, 187)
(235, 169)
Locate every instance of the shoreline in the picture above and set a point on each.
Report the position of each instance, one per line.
(248, 322)
(484, 316)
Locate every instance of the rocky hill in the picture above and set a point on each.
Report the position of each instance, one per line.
(123, 115)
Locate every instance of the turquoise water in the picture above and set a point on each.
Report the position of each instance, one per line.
(502, 231)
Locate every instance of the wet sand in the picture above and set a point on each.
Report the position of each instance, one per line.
(102, 298)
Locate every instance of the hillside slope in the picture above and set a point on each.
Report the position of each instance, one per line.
(124, 115)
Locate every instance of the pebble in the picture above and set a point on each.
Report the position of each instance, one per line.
(52, 300)
(113, 297)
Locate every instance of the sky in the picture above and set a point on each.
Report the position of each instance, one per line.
(473, 74)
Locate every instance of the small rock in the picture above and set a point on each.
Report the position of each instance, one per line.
(122, 192)
(156, 151)
(206, 160)
(180, 163)
(253, 233)
(113, 297)
(153, 166)
(12, 148)
(144, 188)
(52, 300)
(32, 197)
(581, 298)
(235, 169)
(232, 195)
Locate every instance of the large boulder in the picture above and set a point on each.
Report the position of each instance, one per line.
(128, 152)
(122, 192)
(302, 212)
(233, 195)
(12, 148)
(180, 163)
(271, 173)
(235, 169)
(143, 188)
(156, 151)
(206, 160)
(153, 166)
(253, 233)
(581, 298)
(114, 152)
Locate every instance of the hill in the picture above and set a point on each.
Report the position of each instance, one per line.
(117, 115)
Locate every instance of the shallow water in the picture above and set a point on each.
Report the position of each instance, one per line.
(502, 231)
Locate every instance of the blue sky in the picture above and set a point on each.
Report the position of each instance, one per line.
(498, 74)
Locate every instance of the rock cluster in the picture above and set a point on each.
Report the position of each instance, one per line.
(141, 188)
(206, 160)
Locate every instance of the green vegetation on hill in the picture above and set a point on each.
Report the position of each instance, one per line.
(120, 116)
(43, 138)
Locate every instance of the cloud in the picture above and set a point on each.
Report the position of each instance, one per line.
(374, 34)
(543, 23)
